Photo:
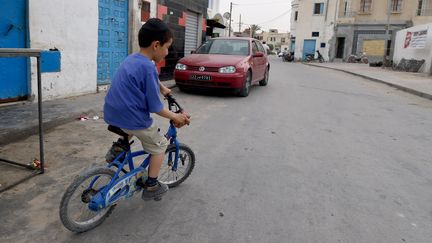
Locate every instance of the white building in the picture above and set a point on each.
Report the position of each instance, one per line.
(312, 27)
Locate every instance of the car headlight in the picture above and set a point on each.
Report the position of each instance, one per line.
(180, 66)
(228, 69)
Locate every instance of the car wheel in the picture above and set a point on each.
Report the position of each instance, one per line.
(244, 91)
(181, 88)
(264, 82)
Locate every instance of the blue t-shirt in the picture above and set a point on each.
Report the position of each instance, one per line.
(134, 93)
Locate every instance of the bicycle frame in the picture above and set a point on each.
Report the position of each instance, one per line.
(121, 187)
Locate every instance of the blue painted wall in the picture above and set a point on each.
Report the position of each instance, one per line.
(113, 38)
(13, 31)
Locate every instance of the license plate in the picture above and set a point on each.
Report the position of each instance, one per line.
(200, 77)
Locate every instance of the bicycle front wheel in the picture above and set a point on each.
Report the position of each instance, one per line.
(74, 212)
(174, 176)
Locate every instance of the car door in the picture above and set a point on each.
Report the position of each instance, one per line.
(256, 72)
(259, 62)
(264, 59)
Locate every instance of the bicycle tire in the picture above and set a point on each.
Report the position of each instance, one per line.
(166, 168)
(66, 219)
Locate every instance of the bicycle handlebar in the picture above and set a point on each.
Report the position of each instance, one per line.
(173, 103)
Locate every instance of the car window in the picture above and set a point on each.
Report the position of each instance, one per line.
(260, 47)
(225, 47)
(254, 47)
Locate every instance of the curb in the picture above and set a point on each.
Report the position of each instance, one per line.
(397, 86)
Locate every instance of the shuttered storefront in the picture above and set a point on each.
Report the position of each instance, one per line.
(191, 33)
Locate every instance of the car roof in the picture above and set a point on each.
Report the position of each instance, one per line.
(234, 38)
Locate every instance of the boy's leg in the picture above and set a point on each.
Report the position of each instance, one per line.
(155, 144)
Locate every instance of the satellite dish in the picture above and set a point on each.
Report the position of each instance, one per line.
(226, 15)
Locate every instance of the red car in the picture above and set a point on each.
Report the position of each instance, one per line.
(224, 63)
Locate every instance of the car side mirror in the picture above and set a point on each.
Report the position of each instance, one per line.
(193, 52)
(258, 54)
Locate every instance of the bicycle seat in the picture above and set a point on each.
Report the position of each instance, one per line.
(118, 131)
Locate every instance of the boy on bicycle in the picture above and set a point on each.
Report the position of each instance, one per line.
(135, 93)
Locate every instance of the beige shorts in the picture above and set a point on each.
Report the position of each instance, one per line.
(153, 141)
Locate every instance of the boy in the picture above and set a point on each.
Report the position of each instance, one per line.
(135, 93)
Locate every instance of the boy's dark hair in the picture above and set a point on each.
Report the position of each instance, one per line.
(154, 30)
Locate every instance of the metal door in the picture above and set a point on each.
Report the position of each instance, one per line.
(308, 48)
(112, 38)
(191, 33)
(13, 33)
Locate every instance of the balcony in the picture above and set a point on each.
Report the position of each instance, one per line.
(424, 12)
(345, 17)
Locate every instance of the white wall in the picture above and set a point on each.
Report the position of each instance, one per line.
(308, 22)
(71, 27)
(410, 53)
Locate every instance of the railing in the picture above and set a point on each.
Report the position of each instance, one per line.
(347, 14)
(424, 12)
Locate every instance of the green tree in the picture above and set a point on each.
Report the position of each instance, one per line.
(270, 46)
(254, 29)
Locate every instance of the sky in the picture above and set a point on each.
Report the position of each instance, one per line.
(269, 14)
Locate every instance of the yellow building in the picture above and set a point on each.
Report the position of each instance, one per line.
(339, 28)
(273, 37)
(361, 25)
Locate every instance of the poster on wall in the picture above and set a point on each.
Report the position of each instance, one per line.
(416, 39)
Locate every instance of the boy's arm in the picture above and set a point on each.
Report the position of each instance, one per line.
(163, 89)
(180, 119)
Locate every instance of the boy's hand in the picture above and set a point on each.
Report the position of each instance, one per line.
(181, 119)
(164, 90)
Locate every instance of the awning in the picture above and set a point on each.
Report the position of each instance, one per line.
(215, 23)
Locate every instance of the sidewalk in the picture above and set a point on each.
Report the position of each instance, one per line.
(415, 83)
(21, 120)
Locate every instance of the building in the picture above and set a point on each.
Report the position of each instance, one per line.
(312, 27)
(92, 37)
(278, 40)
(344, 27)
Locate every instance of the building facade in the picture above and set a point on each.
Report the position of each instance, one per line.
(278, 40)
(92, 37)
(312, 27)
(344, 27)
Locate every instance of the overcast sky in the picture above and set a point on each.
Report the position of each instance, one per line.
(269, 14)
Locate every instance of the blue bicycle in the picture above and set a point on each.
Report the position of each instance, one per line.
(93, 195)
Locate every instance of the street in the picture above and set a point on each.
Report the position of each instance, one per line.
(315, 156)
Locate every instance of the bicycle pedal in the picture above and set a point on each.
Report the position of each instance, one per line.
(157, 198)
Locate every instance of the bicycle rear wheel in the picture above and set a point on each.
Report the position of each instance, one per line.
(74, 212)
(171, 176)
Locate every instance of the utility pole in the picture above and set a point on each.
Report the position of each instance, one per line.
(387, 33)
(229, 28)
(240, 24)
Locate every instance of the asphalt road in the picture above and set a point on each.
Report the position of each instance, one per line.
(315, 156)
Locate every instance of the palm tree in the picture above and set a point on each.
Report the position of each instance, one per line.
(254, 29)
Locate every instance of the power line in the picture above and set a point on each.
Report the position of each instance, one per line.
(260, 4)
(283, 14)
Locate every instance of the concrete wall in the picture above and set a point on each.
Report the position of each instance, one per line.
(411, 53)
(71, 27)
(308, 22)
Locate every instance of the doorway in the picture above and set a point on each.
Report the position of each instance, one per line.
(340, 47)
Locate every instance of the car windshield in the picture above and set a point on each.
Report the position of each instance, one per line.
(225, 47)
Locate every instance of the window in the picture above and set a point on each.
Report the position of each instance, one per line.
(210, 4)
(145, 11)
(396, 5)
(283, 40)
(365, 6)
(296, 16)
(260, 47)
(319, 8)
(322, 44)
(419, 7)
(254, 48)
(315, 34)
